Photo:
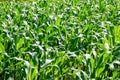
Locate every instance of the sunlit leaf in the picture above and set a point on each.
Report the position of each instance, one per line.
(20, 43)
(2, 48)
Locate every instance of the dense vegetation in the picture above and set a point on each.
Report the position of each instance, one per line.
(60, 40)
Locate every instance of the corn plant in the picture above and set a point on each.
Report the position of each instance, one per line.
(60, 40)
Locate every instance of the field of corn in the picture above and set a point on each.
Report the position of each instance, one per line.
(60, 40)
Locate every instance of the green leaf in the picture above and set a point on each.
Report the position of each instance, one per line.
(115, 74)
(2, 49)
(99, 71)
(20, 43)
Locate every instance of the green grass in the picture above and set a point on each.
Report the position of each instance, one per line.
(60, 40)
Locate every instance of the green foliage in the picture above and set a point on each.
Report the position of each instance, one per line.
(60, 40)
